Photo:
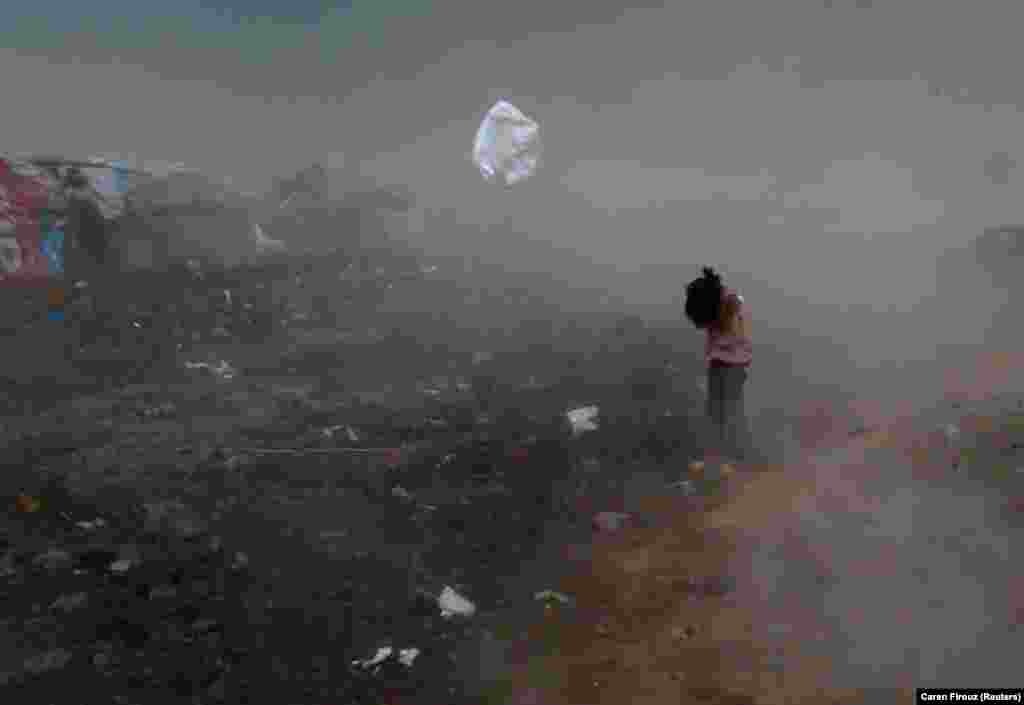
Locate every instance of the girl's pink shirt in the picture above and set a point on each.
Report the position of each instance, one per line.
(730, 344)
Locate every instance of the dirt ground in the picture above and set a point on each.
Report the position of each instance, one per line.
(879, 557)
(271, 523)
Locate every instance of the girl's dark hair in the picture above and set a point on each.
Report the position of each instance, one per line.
(704, 298)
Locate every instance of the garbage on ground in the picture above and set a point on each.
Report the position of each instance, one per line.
(91, 525)
(401, 493)
(350, 433)
(507, 145)
(686, 487)
(122, 566)
(611, 521)
(405, 656)
(66, 603)
(583, 419)
(696, 467)
(952, 433)
(222, 369)
(454, 604)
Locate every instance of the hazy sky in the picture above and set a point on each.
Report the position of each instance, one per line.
(829, 152)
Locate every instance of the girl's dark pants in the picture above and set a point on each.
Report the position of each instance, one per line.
(725, 408)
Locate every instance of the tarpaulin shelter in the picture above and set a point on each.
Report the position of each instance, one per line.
(157, 214)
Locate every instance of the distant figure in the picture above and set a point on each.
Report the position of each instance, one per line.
(719, 311)
(88, 236)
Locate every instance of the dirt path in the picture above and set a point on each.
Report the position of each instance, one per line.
(863, 566)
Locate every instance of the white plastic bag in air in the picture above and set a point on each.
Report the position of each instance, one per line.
(507, 145)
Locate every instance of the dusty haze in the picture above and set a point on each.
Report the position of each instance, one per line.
(823, 156)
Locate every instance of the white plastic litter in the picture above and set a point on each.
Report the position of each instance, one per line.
(507, 145)
(952, 433)
(583, 419)
(406, 657)
(122, 566)
(452, 604)
(380, 657)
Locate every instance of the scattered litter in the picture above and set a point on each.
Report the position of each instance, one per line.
(401, 493)
(507, 145)
(686, 487)
(241, 561)
(696, 467)
(66, 603)
(221, 369)
(382, 655)
(452, 604)
(611, 521)
(122, 566)
(350, 432)
(583, 419)
(952, 433)
(407, 656)
(552, 596)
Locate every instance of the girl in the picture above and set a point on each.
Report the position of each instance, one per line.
(713, 308)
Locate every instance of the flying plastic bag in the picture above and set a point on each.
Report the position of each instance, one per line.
(507, 145)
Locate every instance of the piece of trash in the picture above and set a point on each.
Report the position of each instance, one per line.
(27, 504)
(382, 655)
(611, 521)
(91, 525)
(66, 603)
(583, 419)
(350, 433)
(405, 656)
(687, 487)
(726, 469)
(122, 566)
(241, 561)
(221, 369)
(552, 596)
(507, 145)
(952, 433)
(452, 604)
(401, 493)
(696, 467)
